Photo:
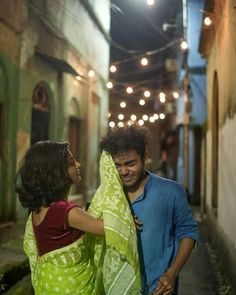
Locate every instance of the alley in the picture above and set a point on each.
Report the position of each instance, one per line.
(202, 274)
(76, 71)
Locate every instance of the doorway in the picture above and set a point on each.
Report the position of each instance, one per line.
(40, 119)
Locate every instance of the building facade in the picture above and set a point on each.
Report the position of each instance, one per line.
(54, 66)
(191, 105)
(218, 47)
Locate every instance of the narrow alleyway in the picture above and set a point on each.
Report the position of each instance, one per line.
(202, 275)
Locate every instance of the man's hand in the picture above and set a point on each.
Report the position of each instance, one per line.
(165, 285)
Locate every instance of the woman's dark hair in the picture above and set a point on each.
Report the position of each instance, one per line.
(42, 177)
(125, 139)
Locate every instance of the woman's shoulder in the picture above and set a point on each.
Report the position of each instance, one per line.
(62, 205)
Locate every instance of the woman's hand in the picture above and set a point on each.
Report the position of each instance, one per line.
(138, 223)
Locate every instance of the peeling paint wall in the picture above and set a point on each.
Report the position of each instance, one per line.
(227, 177)
(222, 62)
(62, 30)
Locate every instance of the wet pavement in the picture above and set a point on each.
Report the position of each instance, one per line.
(202, 274)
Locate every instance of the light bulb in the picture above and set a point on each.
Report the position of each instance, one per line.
(121, 117)
(120, 124)
(184, 45)
(142, 102)
(155, 116)
(207, 21)
(113, 69)
(176, 94)
(140, 122)
(147, 93)
(91, 73)
(133, 117)
(144, 61)
(145, 117)
(112, 124)
(123, 104)
(109, 85)
(150, 2)
(129, 90)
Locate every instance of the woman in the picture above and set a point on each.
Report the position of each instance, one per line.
(46, 174)
(62, 259)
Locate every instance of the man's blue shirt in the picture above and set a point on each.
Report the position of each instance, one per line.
(167, 218)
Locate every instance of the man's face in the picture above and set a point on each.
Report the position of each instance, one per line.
(130, 167)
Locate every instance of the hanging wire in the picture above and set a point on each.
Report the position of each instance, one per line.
(117, 9)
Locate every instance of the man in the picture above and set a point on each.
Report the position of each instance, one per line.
(169, 231)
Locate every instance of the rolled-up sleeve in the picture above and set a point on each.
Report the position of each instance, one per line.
(185, 224)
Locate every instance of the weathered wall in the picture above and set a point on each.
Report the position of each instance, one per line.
(222, 62)
(63, 30)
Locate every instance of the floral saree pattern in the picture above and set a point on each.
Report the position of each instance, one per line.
(93, 264)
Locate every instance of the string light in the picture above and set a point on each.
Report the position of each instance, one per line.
(162, 116)
(133, 117)
(91, 73)
(121, 117)
(155, 116)
(120, 124)
(113, 69)
(109, 85)
(78, 78)
(112, 124)
(142, 102)
(129, 90)
(140, 122)
(150, 2)
(147, 93)
(144, 61)
(123, 104)
(175, 94)
(184, 45)
(162, 97)
(129, 123)
(145, 117)
(207, 21)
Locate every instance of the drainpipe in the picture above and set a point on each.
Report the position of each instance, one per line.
(186, 99)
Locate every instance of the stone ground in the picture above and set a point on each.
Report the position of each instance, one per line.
(202, 275)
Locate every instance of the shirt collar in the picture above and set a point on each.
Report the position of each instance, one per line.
(146, 187)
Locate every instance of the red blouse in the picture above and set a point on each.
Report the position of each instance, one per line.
(53, 232)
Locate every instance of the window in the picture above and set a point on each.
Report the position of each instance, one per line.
(40, 114)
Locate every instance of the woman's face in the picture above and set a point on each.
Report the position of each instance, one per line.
(73, 169)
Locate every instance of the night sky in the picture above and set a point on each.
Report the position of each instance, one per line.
(136, 30)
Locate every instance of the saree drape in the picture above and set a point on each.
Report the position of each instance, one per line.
(93, 264)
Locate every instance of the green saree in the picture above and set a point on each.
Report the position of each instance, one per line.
(93, 264)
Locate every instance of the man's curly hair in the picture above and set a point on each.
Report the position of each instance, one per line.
(125, 139)
(43, 175)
